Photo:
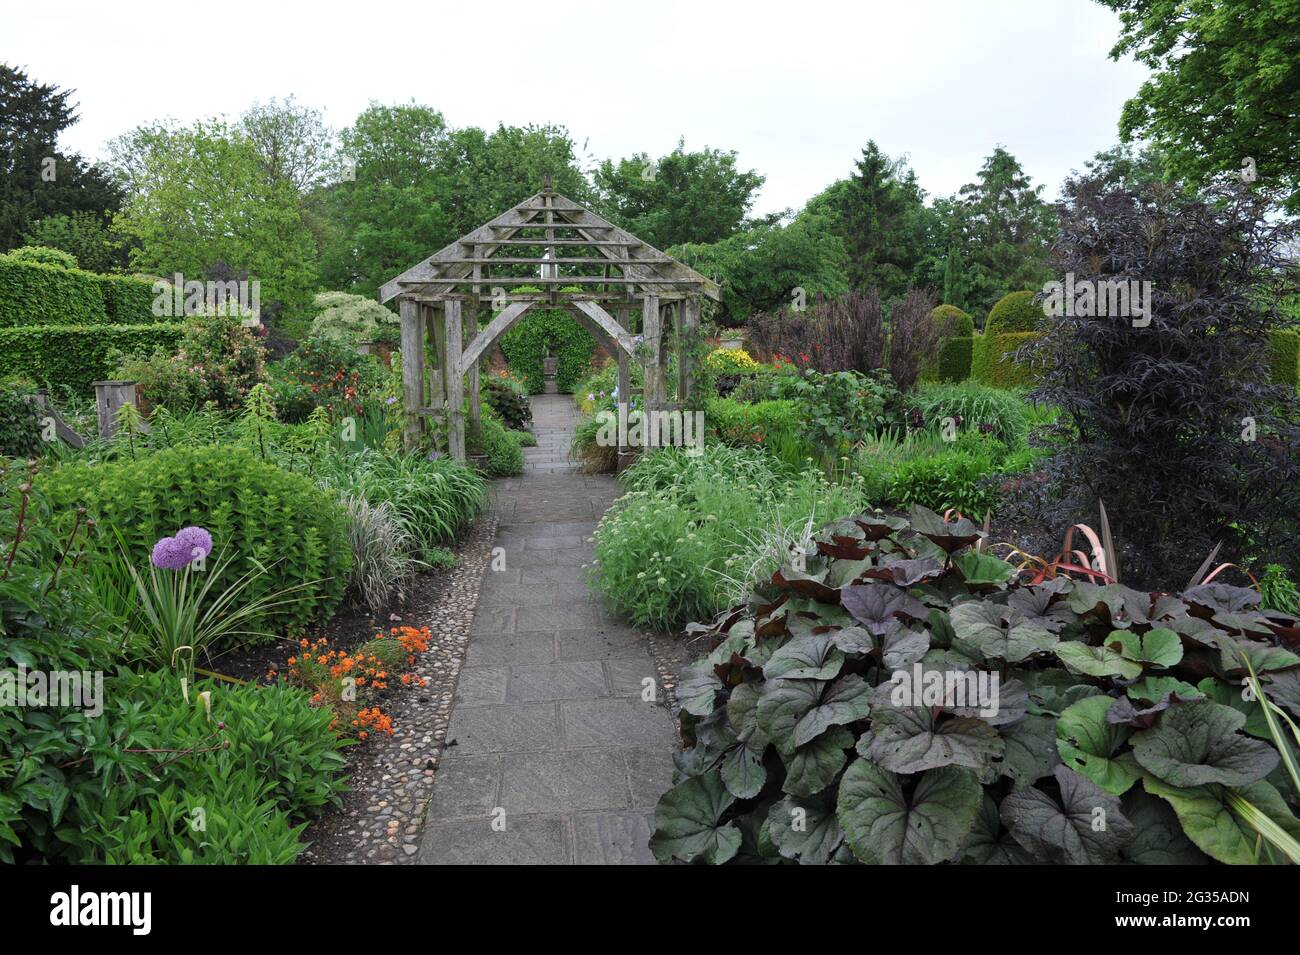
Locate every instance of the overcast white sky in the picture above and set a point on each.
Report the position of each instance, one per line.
(795, 88)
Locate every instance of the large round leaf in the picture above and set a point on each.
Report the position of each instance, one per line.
(1085, 828)
(998, 632)
(688, 822)
(912, 739)
(1031, 750)
(1196, 743)
(814, 766)
(810, 657)
(1158, 648)
(805, 829)
(1158, 837)
(1078, 657)
(879, 607)
(886, 826)
(990, 843)
(1091, 745)
(795, 712)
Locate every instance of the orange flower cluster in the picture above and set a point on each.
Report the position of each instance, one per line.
(349, 682)
(372, 720)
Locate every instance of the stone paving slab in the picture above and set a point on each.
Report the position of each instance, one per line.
(553, 756)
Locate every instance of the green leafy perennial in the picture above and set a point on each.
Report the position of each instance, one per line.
(844, 715)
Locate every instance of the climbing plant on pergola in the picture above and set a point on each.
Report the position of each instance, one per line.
(599, 273)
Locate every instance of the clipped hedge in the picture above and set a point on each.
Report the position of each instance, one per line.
(953, 362)
(38, 292)
(1014, 312)
(1285, 356)
(258, 515)
(993, 360)
(73, 356)
(524, 346)
(128, 299)
(35, 294)
(953, 320)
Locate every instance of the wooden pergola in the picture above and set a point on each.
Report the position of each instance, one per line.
(552, 243)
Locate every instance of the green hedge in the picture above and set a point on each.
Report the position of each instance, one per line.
(953, 363)
(73, 356)
(1285, 345)
(993, 360)
(128, 299)
(35, 294)
(1015, 312)
(524, 346)
(953, 320)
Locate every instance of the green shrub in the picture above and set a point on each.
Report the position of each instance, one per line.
(43, 255)
(218, 359)
(525, 344)
(775, 425)
(509, 405)
(262, 515)
(504, 456)
(354, 318)
(49, 622)
(954, 362)
(830, 698)
(323, 373)
(973, 407)
(1014, 312)
(70, 357)
(951, 479)
(1285, 352)
(253, 797)
(20, 422)
(993, 361)
(33, 293)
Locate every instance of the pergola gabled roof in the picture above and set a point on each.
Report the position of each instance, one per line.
(581, 249)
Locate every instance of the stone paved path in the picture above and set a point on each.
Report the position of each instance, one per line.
(548, 729)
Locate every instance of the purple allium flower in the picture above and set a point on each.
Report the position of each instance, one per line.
(197, 541)
(177, 553)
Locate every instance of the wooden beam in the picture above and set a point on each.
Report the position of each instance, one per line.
(411, 316)
(562, 280)
(535, 240)
(485, 339)
(607, 322)
(455, 381)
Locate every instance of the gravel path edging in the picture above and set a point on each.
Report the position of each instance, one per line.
(383, 816)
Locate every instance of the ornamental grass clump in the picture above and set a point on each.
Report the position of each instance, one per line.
(896, 694)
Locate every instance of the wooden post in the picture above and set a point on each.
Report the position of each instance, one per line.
(110, 396)
(438, 376)
(688, 326)
(455, 380)
(475, 398)
(412, 319)
(652, 331)
(624, 370)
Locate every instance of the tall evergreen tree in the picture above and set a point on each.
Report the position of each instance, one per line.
(884, 222)
(37, 179)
